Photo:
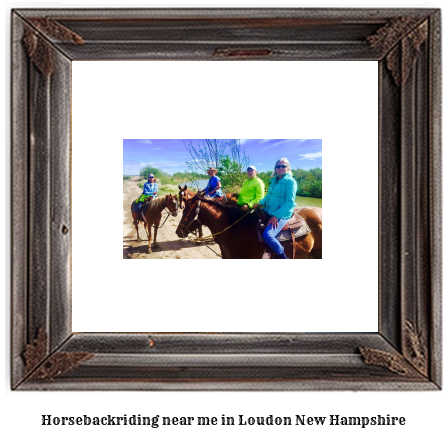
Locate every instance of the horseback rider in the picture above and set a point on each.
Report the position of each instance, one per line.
(150, 189)
(279, 203)
(252, 190)
(214, 187)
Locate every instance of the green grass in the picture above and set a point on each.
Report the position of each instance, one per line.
(168, 189)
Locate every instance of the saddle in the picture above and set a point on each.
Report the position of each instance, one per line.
(140, 208)
(222, 200)
(295, 227)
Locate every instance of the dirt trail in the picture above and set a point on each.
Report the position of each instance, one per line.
(168, 246)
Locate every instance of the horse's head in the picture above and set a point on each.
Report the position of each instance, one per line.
(172, 204)
(184, 195)
(189, 221)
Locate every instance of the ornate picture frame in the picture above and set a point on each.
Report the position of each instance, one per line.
(405, 353)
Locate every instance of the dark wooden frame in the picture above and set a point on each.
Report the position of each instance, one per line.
(405, 354)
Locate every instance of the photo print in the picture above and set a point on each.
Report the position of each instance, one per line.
(222, 198)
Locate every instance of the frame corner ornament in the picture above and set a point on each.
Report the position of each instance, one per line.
(59, 364)
(392, 361)
(36, 351)
(39, 49)
(400, 57)
(40, 366)
(416, 348)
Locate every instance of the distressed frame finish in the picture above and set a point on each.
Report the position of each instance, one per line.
(405, 354)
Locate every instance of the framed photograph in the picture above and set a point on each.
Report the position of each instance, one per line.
(220, 191)
(173, 324)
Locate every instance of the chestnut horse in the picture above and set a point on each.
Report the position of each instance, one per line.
(186, 195)
(153, 215)
(240, 240)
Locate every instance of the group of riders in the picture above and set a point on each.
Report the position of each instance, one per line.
(278, 203)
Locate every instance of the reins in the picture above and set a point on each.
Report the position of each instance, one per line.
(169, 213)
(220, 232)
(196, 218)
(205, 243)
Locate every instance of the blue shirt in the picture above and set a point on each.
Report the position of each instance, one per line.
(280, 199)
(212, 184)
(150, 189)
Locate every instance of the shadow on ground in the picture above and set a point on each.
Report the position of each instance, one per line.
(141, 247)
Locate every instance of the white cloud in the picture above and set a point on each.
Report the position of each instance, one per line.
(311, 155)
(145, 141)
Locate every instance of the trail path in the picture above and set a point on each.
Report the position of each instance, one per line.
(169, 246)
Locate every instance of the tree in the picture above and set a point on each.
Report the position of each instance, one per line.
(162, 177)
(310, 182)
(210, 152)
(227, 156)
(146, 170)
(317, 173)
(230, 172)
(266, 177)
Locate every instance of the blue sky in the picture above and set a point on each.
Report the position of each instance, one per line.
(171, 155)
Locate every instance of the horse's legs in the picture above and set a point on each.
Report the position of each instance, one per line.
(155, 232)
(317, 250)
(149, 236)
(135, 222)
(156, 225)
(222, 252)
(314, 220)
(200, 232)
(303, 247)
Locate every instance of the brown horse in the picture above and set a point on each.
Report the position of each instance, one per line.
(185, 195)
(155, 206)
(240, 240)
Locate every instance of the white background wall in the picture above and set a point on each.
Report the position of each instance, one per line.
(302, 100)
(21, 412)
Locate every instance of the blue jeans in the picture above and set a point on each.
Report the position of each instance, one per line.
(270, 239)
(216, 194)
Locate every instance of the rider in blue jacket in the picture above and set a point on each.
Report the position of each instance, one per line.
(150, 189)
(279, 203)
(214, 187)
